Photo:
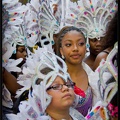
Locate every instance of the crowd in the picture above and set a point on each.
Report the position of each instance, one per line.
(59, 60)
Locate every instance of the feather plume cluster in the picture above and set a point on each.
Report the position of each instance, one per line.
(33, 71)
(91, 16)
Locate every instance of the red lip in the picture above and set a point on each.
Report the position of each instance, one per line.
(67, 95)
(75, 56)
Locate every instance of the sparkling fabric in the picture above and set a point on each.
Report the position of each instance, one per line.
(85, 104)
(5, 19)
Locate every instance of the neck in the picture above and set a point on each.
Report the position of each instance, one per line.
(59, 115)
(92, 56)
(74, 68)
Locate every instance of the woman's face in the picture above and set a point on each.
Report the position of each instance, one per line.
(73, 47)
(63, 98)
(95, 46)
(21, 52)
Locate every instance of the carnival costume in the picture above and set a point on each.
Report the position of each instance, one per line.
(108, 83)
(11, 38)
(92, 17)
(105, 88)
(28, 32)
(32, 74)
(38, 25)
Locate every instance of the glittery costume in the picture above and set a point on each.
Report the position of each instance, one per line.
(11, 38)
(108, 84)
(92, 93)
(38, 99)
(91, 16)
(85, 104)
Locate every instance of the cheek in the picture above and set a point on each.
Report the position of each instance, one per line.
(54, 94)
(55, 98)
(66, 51)
(92, 45)
(83, 50)
(72, 93)
(19, 55)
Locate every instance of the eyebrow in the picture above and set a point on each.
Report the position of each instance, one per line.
(72, 40)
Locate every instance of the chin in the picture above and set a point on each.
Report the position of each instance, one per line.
(69, 103)
(76, 62)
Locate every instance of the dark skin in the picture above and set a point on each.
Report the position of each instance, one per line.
(108, 41)
(100, 56)
(10, 81)
(74, 49)
(95, 49)
(20, 53)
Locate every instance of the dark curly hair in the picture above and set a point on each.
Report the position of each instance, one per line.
(110, 37)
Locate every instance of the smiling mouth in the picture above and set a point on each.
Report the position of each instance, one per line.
(75, 56)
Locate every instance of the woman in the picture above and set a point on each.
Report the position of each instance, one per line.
(109, 40)
(10, 85)
(95, 48)
(9, 81)
(20, 53)
(62, 99)
(50, 87)
(71, 46)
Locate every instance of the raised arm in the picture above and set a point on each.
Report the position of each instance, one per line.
(10, 81)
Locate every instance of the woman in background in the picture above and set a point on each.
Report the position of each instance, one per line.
(109, 41)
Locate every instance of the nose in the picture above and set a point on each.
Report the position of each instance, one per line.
(75, 47)
(25, 53)
(65, 88)
(98, 43)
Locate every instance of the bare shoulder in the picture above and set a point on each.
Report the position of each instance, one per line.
(100, 56)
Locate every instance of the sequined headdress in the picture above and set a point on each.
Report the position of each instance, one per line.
(45, 23)
(108, 83)
(5, 18)
(13, 33)
(41, 69)
(91, 16)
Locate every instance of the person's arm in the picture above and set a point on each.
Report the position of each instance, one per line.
(10, 81)
(98, 59)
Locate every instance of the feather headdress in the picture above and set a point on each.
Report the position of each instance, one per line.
(45, 24)
(13, 34)
(5, 18)
(91, 16)
(108, 83)
(41, 69)
(59, 8)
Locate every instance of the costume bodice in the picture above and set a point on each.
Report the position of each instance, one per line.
(85, 104)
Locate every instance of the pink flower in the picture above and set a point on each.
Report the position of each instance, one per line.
(78, 91)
